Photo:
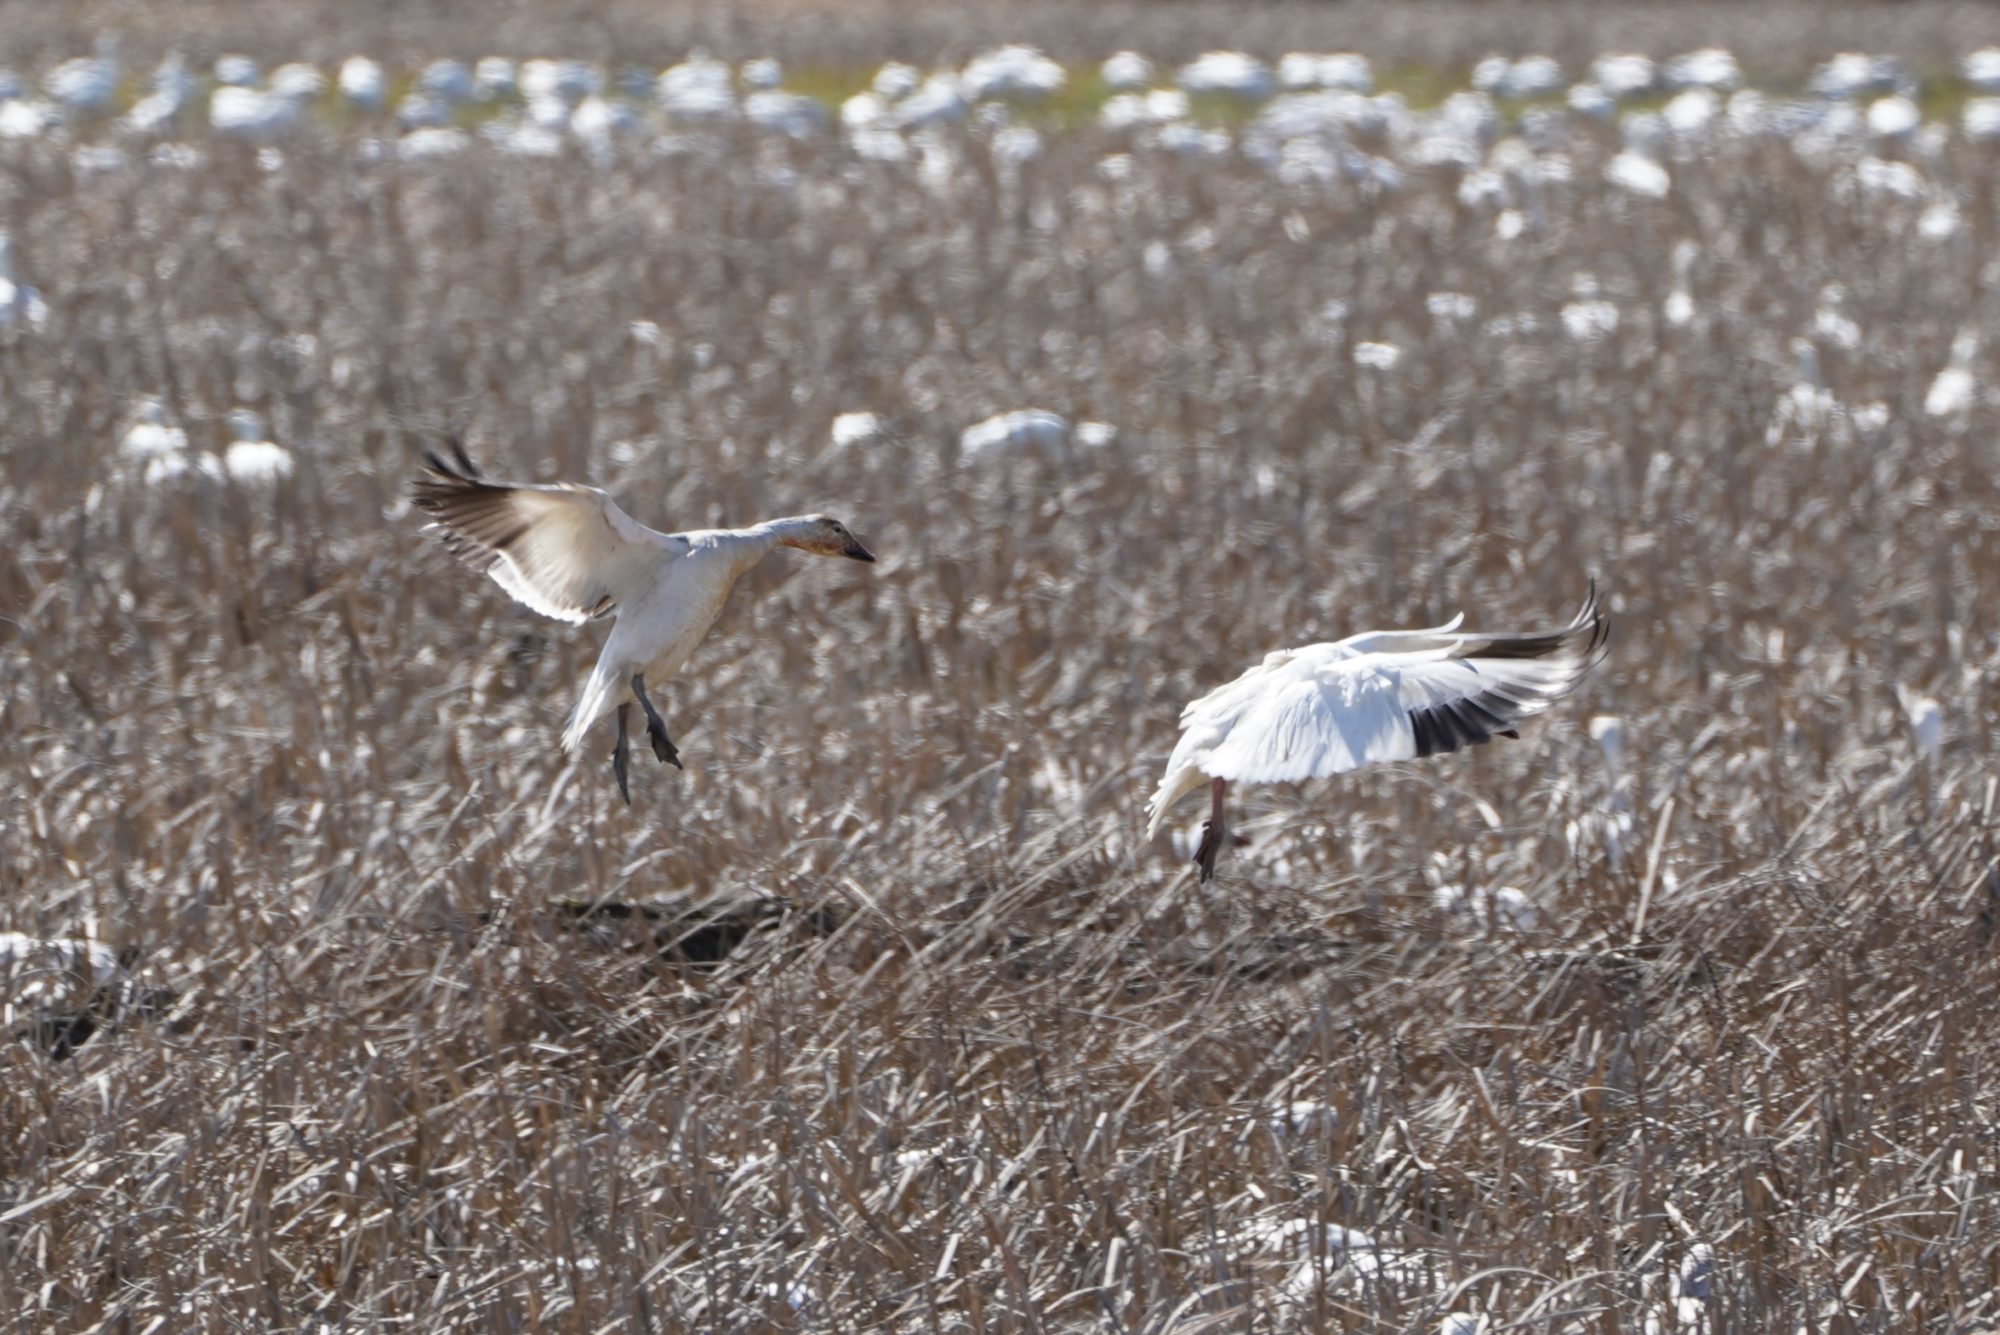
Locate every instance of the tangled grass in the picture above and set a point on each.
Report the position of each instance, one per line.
(919, 1034)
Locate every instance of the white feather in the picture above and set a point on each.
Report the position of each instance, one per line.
(1334, 707)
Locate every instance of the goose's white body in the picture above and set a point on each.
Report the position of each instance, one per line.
(676, 585)
(1330, 708)
(36, 970)
(569, 552)
(151, 434)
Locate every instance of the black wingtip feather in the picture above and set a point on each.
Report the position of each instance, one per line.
(467, 469)
(1478, 719)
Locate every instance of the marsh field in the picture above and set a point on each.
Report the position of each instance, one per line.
(883, 1015)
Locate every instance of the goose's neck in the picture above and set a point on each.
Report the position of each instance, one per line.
(781, 532)
(750, 545)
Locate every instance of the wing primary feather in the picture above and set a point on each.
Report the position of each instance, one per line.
(1430, 738)
(466, 467)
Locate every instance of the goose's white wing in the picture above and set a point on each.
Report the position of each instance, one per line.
(1230, 699)
(1343, 714)
(1386, 695)
(567, 551)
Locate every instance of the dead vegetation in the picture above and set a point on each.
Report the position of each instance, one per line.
(962, 1054)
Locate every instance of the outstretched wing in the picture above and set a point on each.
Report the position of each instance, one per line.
(1330, 712)
(567, 551)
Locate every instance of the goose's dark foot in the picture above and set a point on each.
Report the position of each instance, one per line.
(621, 754)
(664, 750)
(1214, 831)
(663, 746)
(1212, 836)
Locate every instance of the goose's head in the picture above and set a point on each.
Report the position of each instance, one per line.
(823, 535)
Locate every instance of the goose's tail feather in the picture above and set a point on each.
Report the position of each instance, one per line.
(596, 701)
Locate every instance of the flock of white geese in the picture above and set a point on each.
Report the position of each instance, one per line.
(568, 551)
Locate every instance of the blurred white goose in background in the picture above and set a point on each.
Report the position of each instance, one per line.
(700, 88)
(1954, 391)
(1530, 76)
(1610, 824)
(151, 434)
(1126, 72)
(21, 306)
(1377, 356)
(237, 72)
(1678, 310)
(1832, 321)
(251, 457)
(895, 81)
(1692, 113)
(855, 428)
(1025, 431)
(1230, 73)
(363, 83)
(1020, 72)
(1589, 318)
(1979, 120)
(569, 552)
(1624, 76)
(793, 115)
(255, 114)
(298, 82)
(1806, 407)
(1341, 72)
(1894, 118)
(1854, 73)
(1926, 718)
(1637, 170)
(763, 73)
(86, 85)
(1711, 67)
(1981, 69)
(171, 91)
(566, 81)
(1588, 100)
(493, 78)
(447, 80)
(1330, 708)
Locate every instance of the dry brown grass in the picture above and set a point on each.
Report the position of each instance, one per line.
(991, 1064)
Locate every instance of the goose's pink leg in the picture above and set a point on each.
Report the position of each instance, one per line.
(1213, 831)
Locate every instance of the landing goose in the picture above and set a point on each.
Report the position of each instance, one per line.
(1384, 695)
(567, 551)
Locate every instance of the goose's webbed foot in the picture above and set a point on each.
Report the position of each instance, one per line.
(664, 749)
(1214, 831)
(1211, 844)
(621, 754)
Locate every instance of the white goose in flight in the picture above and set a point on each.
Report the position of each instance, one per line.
(1384, 695)
(569, 552)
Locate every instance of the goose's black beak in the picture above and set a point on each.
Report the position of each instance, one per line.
(854, 551)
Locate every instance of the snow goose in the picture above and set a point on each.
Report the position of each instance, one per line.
(60, 991)
(250, 456)
(363, 83)
(19, 303)
(1954, 391)
(151, 434)
(567, 551)
(1329, 708)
